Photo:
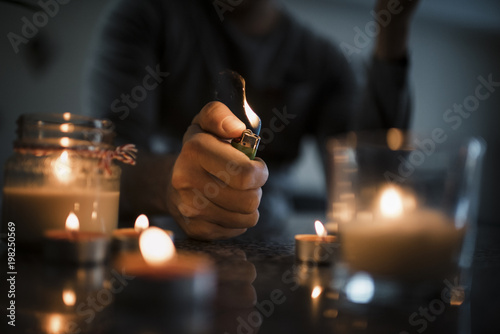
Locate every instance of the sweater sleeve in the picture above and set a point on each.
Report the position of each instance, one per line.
(123, 69)
(386, 98)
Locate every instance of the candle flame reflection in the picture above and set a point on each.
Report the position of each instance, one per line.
(66, 127)
(69, 297)
(391, 203)
(320, 229)
(141, 223)
(72, 222)
(64, 142)
(54, 324)
(316, 292)
(156, 246)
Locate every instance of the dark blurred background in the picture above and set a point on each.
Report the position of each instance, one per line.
(453, 42)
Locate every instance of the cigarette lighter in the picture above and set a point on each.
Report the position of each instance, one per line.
(231, 92)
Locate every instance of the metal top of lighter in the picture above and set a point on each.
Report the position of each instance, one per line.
(231, 92)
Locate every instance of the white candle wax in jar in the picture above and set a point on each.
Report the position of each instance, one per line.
(35, 210)
(416, 244)
(62, 163)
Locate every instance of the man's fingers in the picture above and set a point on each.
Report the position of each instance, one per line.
(196, 206)
(225, 162)
(208, 189)
(218, 120)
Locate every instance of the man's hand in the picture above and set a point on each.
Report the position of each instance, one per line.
(215, 190)
(392, 41)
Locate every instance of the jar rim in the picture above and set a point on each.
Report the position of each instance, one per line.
(64, 130)
(47, 119)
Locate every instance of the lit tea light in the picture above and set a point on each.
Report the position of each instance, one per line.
(127, 239)
(319, 249)
(177, 282)
(74, 246)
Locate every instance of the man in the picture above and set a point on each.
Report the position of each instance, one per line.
(153, 73)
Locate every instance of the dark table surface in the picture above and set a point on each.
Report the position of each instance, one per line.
(261, 288)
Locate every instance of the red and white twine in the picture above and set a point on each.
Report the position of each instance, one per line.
(125, 153)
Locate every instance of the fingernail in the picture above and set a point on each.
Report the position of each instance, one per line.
(232, 124)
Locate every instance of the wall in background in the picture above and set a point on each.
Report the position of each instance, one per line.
(453, 42)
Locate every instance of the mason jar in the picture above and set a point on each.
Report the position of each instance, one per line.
(62, 163)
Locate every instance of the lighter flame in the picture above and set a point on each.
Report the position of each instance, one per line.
(316, 292)
(72, 222)
(69, 297)
(156, 246)
(141, 223)
(391, 204)
(320, 229)
(251, 115)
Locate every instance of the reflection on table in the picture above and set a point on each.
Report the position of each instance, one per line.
(261, 288)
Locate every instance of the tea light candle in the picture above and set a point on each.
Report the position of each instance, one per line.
(127, 239)
(319, 249)
(74, 246)
(163, 279)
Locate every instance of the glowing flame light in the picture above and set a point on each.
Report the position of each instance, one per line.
(62, 169)
(316, 292)
(66, 127)
(64, 142)
(252, 117)
(69, 297)
(156, 246)
(72, 222)
(391, 203)
(320, 229)
(141, 223)
(55, 324)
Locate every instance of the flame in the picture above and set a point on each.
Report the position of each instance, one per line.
(391, 203)
(72, 222)
(316, 292)
(252, 116)
(156, 246)
(62, 170)
(55, 324)
(69, 297)
(320, 229)
(141, 223)
(67, 116)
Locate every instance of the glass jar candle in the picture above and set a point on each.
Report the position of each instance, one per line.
(62, 163)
